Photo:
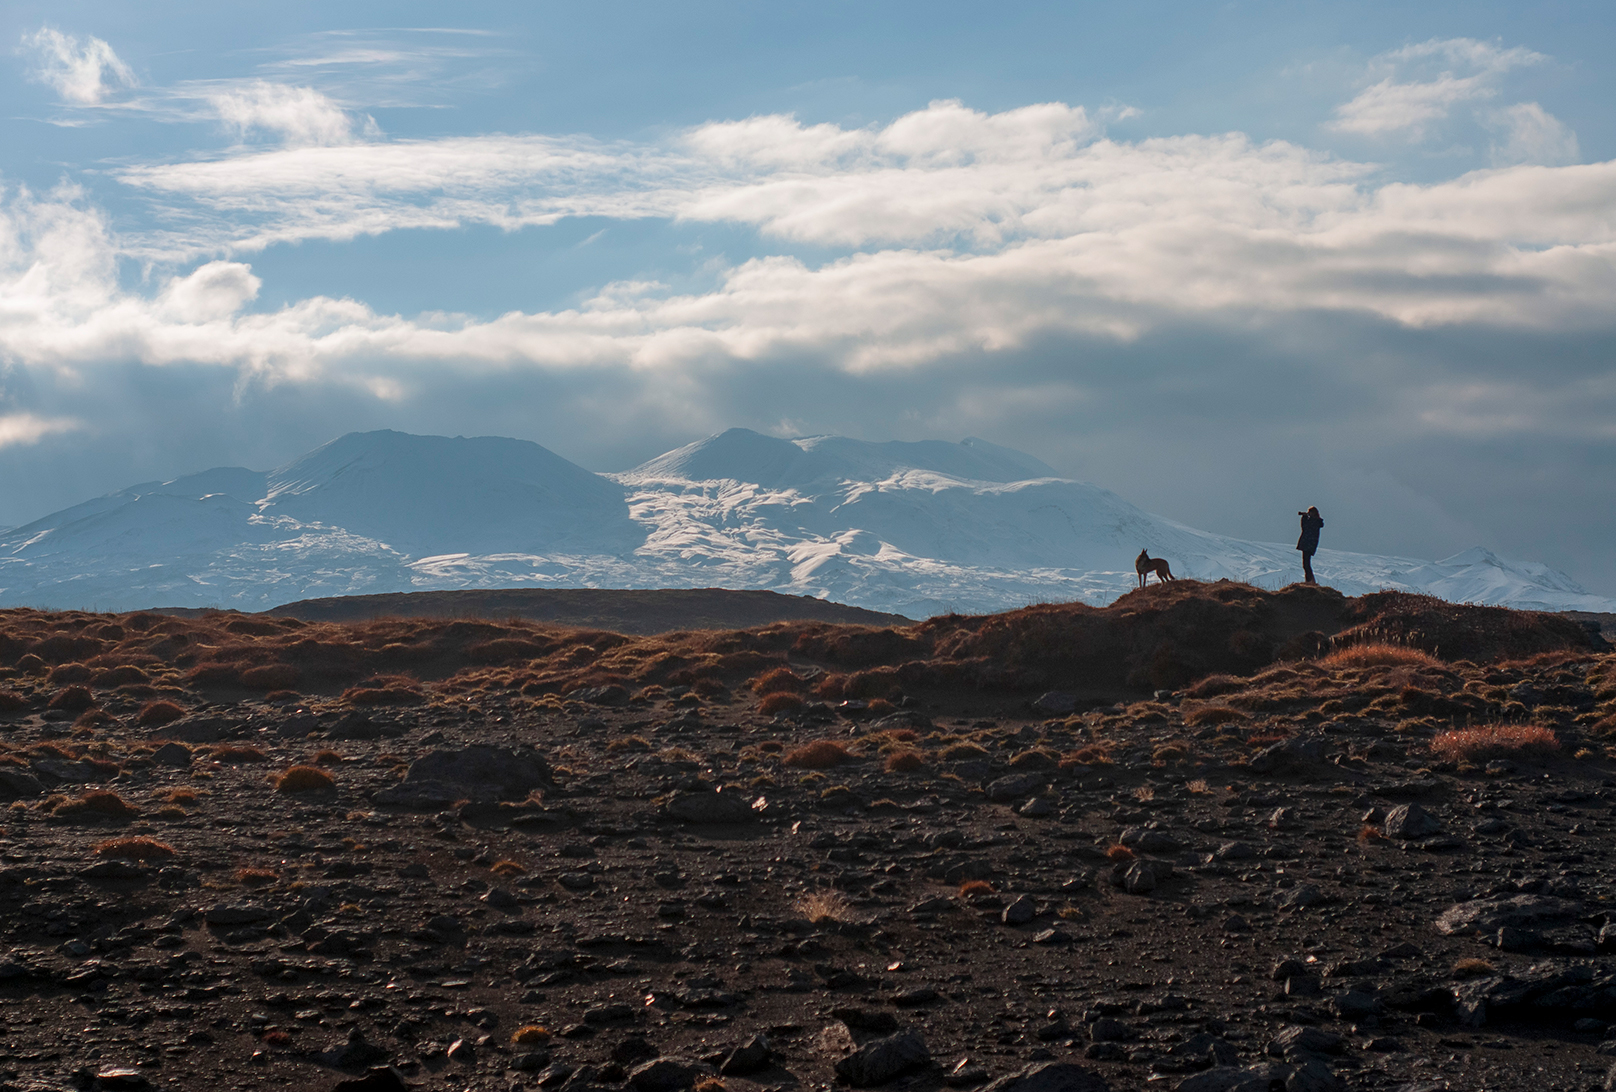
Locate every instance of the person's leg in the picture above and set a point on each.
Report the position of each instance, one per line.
(1307, 568)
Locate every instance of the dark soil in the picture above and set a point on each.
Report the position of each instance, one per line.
(1209, 838)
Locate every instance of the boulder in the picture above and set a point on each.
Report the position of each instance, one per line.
(710, 807)
(478, 772)
(1016, 785)
(1407, 822)
(883, 1060)
(1051, 1077)
(1487, 916)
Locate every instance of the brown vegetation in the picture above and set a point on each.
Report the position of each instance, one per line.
(135, 849)
(1521, 741)
(305, 779)
(818, 755)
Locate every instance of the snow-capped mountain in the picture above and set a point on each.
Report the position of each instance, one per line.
(911, 528)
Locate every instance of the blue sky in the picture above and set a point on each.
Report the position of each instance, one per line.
(1227, 260)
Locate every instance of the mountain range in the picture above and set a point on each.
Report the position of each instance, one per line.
(908, 528)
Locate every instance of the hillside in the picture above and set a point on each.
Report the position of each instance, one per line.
(633, 611)
(1204, 838)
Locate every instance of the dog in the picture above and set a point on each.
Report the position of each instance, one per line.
(1144, 565)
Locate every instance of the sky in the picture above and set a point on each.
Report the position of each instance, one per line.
(1228, 260)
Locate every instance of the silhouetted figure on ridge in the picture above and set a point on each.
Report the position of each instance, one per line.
(1309, 542)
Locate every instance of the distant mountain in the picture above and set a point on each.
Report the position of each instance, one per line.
(907, 528)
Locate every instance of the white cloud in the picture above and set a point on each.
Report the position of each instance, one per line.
(82, 72)
(1455, 71)
(968, 235)
(24, 429)
(299, 116)
(1529, 134)
(213, 291)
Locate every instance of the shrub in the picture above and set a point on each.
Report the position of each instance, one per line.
(125, 675)
(818, 755)
(782, 680)
(821, 906)
(507, 868)
(271, 677)
(1093, 755)
(181, 796)
(383, 695)
(905, 762)
(256, 877)
(96, 804)
(68, 674)
(136, 849)
(962, 752)
(1379, 654)
(305, 779)
(12, 702)
(328, 757)
(72, 699)
(1472, 967)
(1118, 852)
(1495, 741)
(1215, 686)
(236, 753)
(214, 675)
(1213, 714)
(779, 702)
(975, 887)
(157, 713)
(530, 1033)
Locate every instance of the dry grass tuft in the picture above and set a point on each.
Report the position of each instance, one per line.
(1119, 852)
(1208, 715)
(1473, 967)
(976, 887)
(710, 1083)
(1094, 755)
(136, 849)
(256, 877)
(822, 906)
(12, 702)
(180, 796)
(905, 762)
(821, 754)
(305, 779)
(97, 804)
(154, 714)
(1519, 741)
(1369, 834)
(236, 753)
(779, 702)
(782, 680)
(507, 868)
(328, 757)
(530, 1033)
(1379, 654)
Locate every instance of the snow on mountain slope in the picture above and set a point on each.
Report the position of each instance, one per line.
(912, 528)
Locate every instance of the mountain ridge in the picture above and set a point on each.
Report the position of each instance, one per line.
(908, 528)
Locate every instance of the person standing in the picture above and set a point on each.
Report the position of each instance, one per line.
(1309, 542)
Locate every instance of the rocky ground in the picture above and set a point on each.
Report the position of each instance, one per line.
(1293, 878)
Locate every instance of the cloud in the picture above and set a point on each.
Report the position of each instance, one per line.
(1532, 135)
(1455, 71)
(213, 291)
(24, 429)
(82, 72)
(299, 116)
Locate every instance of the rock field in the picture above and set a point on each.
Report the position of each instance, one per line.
(247, 853)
